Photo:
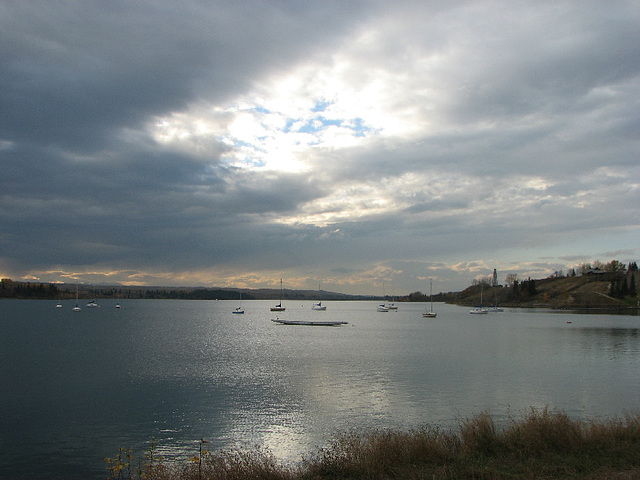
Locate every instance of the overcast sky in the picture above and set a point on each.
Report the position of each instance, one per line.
(367, 146)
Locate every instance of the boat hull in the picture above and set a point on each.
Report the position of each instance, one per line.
(478, 311)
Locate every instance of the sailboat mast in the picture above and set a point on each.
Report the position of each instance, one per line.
(431, 293)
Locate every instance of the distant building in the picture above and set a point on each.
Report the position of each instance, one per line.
(596, 272)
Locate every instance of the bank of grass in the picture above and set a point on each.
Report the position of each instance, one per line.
(543, 445)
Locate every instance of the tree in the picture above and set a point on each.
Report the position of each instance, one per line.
(481, 281)
(511, 279)
(614, 266)
(632, 285)
(624, 289)
(514, 290)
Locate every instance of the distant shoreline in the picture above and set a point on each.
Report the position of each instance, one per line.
(585, 293)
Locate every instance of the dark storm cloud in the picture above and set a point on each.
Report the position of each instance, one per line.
(74, 73)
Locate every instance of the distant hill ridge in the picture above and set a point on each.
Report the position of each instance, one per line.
(57, 291)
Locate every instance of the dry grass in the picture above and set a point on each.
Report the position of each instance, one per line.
(543, 445)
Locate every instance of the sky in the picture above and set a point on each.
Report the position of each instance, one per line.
(362, 147)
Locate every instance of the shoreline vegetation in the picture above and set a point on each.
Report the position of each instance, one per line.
(607, 287)
(543, 445)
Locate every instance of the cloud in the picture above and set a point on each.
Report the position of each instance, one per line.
(350, 143)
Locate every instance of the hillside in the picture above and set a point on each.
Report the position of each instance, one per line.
(572, 293)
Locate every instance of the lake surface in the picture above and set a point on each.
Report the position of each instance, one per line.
(75, 387)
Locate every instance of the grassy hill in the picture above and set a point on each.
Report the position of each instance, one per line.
(575, 293)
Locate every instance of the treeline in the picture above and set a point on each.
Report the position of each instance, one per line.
(623, 286)
(51, 291)
(522, 291)
(11, 289)
(423, 297)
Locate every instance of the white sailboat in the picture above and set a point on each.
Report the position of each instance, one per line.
(383, 307)
(479, 310)
(392, 305)
(239, 310)
(430, 313)
(279, 307)
(495, 307)
(318, 306)
(77, 307)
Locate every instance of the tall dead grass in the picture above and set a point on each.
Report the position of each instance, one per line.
(544, 444)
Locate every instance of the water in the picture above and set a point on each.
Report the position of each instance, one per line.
(75, 387)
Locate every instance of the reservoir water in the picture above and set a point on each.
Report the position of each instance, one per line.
(75, 387)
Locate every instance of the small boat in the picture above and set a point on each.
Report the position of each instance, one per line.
(384, 307)
(479, 310)
(118, 305)
(309, 323)
(239, 310)
(430, 313)
(318, 306)
(92, 304)
(58, 305)
(279, 307)
(77, 307)
(392, 305)
(495, 307)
